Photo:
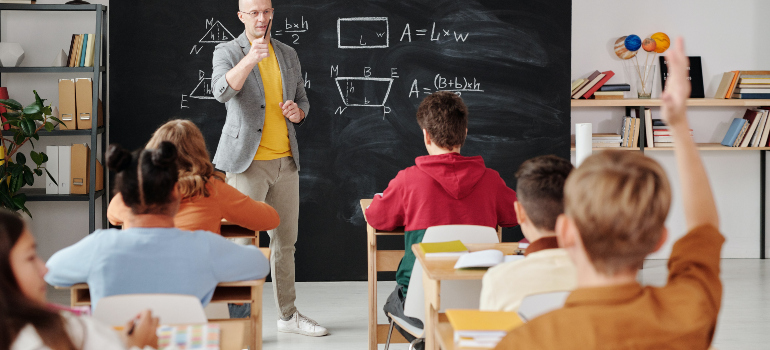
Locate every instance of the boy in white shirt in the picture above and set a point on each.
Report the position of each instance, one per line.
(546, 268)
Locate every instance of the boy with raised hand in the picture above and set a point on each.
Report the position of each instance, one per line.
(443, 188)
(616, 204)
(547, 268)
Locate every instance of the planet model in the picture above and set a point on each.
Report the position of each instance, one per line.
(633, 42)
(621, 51)
(662, 42)
(649, 44)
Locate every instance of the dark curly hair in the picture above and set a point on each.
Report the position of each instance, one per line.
(146, 178)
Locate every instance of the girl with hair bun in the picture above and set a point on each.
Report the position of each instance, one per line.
(152, 256)
(206, 198)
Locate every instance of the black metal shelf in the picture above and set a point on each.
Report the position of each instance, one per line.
(41, 7)
(38, 195)
(50, 69)
(65, 132)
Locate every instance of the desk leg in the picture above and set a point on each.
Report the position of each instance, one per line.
(432, 305)
(256, 318)
(372, 277)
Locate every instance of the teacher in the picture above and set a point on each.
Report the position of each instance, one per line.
(259, 80)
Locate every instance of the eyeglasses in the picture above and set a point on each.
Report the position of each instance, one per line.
(255, 14)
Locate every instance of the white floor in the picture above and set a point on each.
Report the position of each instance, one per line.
(744, 321)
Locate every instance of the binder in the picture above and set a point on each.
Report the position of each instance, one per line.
(84, 97)
(53, 167)
(67, 103)
(65, 154)
(80, 175)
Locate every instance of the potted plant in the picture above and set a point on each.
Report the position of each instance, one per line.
(20, 126)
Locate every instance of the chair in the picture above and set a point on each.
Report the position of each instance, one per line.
(537, 304)
(458, 294)
(116, 310)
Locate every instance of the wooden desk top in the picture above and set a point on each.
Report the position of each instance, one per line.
(443, 268)
(397, 232)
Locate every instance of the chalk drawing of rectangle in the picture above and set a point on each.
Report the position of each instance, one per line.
(356, 91)
(363, 33)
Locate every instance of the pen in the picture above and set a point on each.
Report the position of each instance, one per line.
(131, 329)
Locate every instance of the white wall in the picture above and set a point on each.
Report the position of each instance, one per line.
(42, 35)
(728, 35)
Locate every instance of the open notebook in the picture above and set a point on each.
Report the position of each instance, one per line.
(189, 337)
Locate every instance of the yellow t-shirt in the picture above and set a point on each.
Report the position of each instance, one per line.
(275, 134)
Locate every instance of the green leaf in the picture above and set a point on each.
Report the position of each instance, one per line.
(29, 177)
(38, 172)
(6, 200)
(21, 159)
(26, 211)
(49, 126)
(58, 121)
(51, 177)
(44, 156)
(32, 109)
(37, 98)
(47, 110)
(36, 157)
(12, 115)
(32, 127)
(24, 128)
(11, 104)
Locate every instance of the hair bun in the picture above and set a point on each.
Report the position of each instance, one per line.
(118, 158)
(165, 155)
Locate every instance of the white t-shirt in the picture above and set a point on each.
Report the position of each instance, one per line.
(85, 333)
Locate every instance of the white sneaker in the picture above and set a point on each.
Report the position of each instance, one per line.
(301, 324)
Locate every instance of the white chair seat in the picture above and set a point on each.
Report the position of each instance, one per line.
(411, 329)
(116, 310)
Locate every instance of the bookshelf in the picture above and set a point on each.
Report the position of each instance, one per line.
(640, 104)
(99, 78)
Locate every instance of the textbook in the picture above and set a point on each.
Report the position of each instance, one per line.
(481, 329)
(200, 336)
(732, 133)
(443, 249)
(484, 258)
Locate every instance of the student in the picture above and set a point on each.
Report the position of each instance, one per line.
(616, 205)
(206, 198)
(26, 322)
(547, 268)
(442, 188)
(152, 256)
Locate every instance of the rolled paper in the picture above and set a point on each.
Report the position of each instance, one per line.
(649, 44)
(662, 42)
(621, 51)
(583, 142)
(633, 42)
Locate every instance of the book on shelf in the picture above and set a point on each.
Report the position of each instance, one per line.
(578, 84)
(595, 80)
(753, 87)
(607, 75)
(695, 72)
(74, 49)
(745, 74)
(757, 136)
(758, 80)
(753, 117)
(443, 249)
(733, 131)
(606, 137)
(481, 329)
(754, 96)
(83, 50)
(724, 84)
(648, 128)
(590, 78)
(766, 130)
(609, 95)
(744, 129)
(733, 84)
(615, 87)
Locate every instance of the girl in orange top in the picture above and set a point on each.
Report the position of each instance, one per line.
(206, 198)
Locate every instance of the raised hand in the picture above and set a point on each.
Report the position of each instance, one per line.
(674, 108)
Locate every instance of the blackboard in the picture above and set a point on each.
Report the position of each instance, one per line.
(367, 66)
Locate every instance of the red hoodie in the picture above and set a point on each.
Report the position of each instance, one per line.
(446, 189)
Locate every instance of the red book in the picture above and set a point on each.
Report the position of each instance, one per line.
(607, 75)
(4, 96)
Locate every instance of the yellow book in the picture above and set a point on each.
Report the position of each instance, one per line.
(439, 249)
(477, 320)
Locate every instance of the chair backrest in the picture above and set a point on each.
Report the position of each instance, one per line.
(116, 310)
(454, 294)
(537, 304)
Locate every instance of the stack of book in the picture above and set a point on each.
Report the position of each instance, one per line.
(744, 85)
(585, 88)
(750, 131)
(606, 140)
(481, 329)
(661, 135)
(81, 52)
(612, 91)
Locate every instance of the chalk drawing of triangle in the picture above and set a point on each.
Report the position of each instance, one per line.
(217, 34)
(203, 90)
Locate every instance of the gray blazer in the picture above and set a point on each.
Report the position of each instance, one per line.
(246, 108)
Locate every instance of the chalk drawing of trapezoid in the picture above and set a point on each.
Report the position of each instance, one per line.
(364, 92)
(363, 33)
(203, 90)
(217, 34)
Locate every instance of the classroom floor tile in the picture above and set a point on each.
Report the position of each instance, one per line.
(341, 307)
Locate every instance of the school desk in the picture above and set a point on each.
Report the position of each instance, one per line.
(225, 292)
(231, 230)
(435, 270)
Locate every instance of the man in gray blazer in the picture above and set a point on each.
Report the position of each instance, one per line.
(259, 80)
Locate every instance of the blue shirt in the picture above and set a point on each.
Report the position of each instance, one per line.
(154, 260)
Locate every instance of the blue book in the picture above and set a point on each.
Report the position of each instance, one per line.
(733, 132)
(755, 96)
(83, 51)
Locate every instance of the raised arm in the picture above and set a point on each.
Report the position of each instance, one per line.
(699, 206)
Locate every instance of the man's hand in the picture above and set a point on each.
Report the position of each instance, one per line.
(674, 108)
(291, 111)
(259, 51)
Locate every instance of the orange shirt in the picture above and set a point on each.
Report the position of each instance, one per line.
(275, 134)
(680, 315)
(206, 213)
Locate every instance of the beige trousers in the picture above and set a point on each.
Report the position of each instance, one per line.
(276, 182)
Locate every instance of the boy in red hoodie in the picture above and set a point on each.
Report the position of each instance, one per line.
(443, 188)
